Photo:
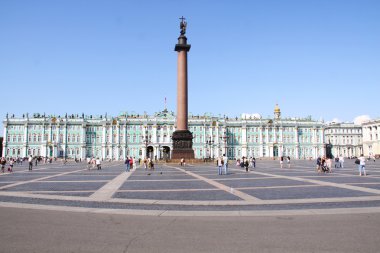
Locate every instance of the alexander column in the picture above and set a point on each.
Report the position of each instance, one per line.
(182, 137)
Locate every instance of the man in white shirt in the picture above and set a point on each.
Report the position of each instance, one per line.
(341, 161)
(30, 160)
(225, 165)
(361, 166)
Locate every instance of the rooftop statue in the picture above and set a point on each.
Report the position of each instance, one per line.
(183, 25)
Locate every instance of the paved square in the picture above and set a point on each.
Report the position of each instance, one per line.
(196, 187)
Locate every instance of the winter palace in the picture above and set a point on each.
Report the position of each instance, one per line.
(81, 136)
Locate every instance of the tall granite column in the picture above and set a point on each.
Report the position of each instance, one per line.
(182, 137)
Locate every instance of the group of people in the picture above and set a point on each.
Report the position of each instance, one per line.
(222, 163)
(339, 162)
(282, 161)
(324, 164)
(92, 163)
(130, 162)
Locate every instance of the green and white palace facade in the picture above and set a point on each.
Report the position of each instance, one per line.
(81, 136)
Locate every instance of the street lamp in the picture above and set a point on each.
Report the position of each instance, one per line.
(210, 143)
(146, 141)
(225, 138)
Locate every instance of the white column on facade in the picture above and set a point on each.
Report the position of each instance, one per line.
(125, 140)
(117, 141)
(296, 142)
(83, 142)
(244, 141)
(5, 139)
(64, 142)
(104, 141)
(25, 144)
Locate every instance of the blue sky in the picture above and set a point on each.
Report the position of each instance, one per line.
(318, 58)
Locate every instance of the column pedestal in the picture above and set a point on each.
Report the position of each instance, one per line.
(182, 145)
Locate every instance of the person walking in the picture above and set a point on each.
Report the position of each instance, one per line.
(98, 164)
(319, 164)
(341, 161)
(361, 166)
(288, 161)
(30, 160)
(225, 164)
(254, 162)
(3, 162)
(145, 162)
(131, 163)
(281, 162)
(134, 163)
(246, 164)
(11, 162)
(220, 165)
(127, 165)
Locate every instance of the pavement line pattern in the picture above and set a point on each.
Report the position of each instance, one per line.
(189, 202)
(109, 189)
(223, 187)
(318, 182)
(196, 213)
(171, 190)
(39, 179)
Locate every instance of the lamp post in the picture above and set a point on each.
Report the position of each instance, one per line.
(225, 138)
(146, 140)
(210, 143)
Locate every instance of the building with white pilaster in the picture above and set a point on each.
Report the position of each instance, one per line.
(371, 138)
(80, 136)
(344, 139)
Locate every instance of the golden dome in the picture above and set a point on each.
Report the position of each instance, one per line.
(276, 108)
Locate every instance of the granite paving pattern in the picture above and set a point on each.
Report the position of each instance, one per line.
(195, 182)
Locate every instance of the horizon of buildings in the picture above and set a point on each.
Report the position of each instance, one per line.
(81, 136)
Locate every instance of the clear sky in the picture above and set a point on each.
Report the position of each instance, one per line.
(318, 58)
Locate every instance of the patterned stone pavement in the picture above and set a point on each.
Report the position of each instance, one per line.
(194, 190)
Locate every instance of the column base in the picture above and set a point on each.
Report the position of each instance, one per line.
(182, 145)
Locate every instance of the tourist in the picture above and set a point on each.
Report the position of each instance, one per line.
(131, 162)
(246, 164)
(127, 164)
(11, 162)
(254, 162)
(220, 165)
(225, 164)
(88, 159)
(288, 161)
(361, 166)
(134, 163)
(3, 162)
(319, 164)
(30, 160)
(98, 164)
(337, 164)
(341, 161)
(329, 164)
(281, 161)
(145, 164)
